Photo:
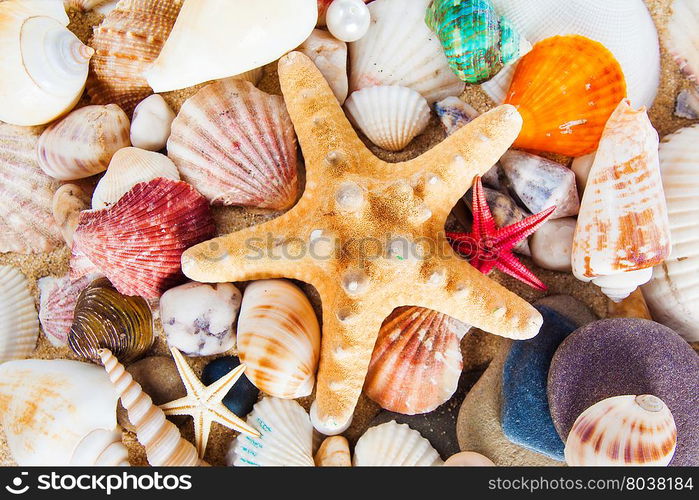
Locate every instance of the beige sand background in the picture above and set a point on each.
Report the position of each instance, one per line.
(478, 347)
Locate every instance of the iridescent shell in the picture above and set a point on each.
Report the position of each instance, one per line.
(565, 111)
(476, 40)
(105, 319)
(236, 145)
(26, 221)
(394, 444)
(390, 116)
(19, 324)
(404, 53)
(138, 242)
(286, 436)
(682, 39)
(278, 338)
(68, 201)
(416, 363)
(58, 297)
(334, 452)
(623, 430)
(623, 228)
(330, 56)
(126, 43)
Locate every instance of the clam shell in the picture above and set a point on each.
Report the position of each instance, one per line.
(623, 223)
(43, 64)
(68, 201)
(565, 111)
(58, 297)
(82, 143)
(138, 242)
(150, 127)
(623, 430)
(126, 42)
(19, 324)
(330, 56)
(286, 436)
(26, 221)
(101, 447)
(253, 33)
(416, 363)
(131, 166)
(161, 438)
(399, 49)
(673, 292)
(334, 452)
(624, 27)
(103, 318)
(682, 39)
(48, 407)
(394, 444)
(278, 338)
(390, 116)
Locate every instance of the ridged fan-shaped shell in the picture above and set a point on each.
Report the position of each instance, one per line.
(19, 324)
(399, 49)
(390, 116)
(623, 430)
(681, 37)
(105, 319)
(286, 436)
(138, 242)
(416, 363)
(101, 447)
(278, 338)
(334, 452)
(236, 145)
(126, 43)
(566, 88)
(394, 444)
(26, 193)
(58, 297)
(130, 166)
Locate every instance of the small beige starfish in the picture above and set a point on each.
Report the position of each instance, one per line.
(203, 403)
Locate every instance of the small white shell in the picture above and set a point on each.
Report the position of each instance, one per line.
(334, 452)
(623, 430)
(19, 322)
(68, 201)
(286, 436)
(102, 447)
(394, 444)
(330, 56)
(151, 122)
(83, 143)
(128, 167)
(682, 38)
(390, 116)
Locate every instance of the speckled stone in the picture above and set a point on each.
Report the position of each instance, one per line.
(621, 356)
(242, 396)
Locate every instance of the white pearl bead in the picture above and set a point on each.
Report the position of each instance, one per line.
(348, 20)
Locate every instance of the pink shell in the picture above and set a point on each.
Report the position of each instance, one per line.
(57, 305)
(138, 242)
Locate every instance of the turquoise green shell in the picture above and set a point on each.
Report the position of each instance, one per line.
(476, 40)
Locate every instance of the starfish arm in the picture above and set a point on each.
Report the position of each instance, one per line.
(192, 384)
(218, 390)
(227, 418)
(182, 406)
(509, 264)
(202, 428)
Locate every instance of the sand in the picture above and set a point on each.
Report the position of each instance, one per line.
(478, 348)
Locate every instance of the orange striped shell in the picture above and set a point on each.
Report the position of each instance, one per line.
(565, 89)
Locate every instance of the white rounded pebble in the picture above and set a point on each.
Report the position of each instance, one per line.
(348, 20)
(150, 126)
(552, 243)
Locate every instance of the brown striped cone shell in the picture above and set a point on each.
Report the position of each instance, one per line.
(416, 363)
(623, 430)
(68, 201)
(58, 297)
(19, 324)
(138, 242)
(278, 338)
(83, 143)
(334, 452)
(236, 145)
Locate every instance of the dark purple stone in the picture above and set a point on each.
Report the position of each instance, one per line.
(613, 357)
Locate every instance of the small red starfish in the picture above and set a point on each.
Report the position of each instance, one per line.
(488, 246)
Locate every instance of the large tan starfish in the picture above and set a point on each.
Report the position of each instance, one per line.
(349, 233)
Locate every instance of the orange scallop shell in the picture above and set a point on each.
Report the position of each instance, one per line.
(565, 89)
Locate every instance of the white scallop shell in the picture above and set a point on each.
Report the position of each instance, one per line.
(390, 116)
(682, 37)
(394, 444)
(150, 126)
(128, 167)
(399, 49)
(58, 297)
(330, 56)
(19, 322)
(66, 399)
(278, 338)
(286, 436)
(673, 292)
(83, 143)
(43, 65)
(101, 447)
(624, 27)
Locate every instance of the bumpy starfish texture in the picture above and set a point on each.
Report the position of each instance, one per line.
(203, 403)
(487, 246)
(369, 236)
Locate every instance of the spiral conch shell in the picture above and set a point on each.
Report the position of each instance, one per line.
(623, 430)
(101, 447)
(162, 440)
(43, 65)
(623, 228)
